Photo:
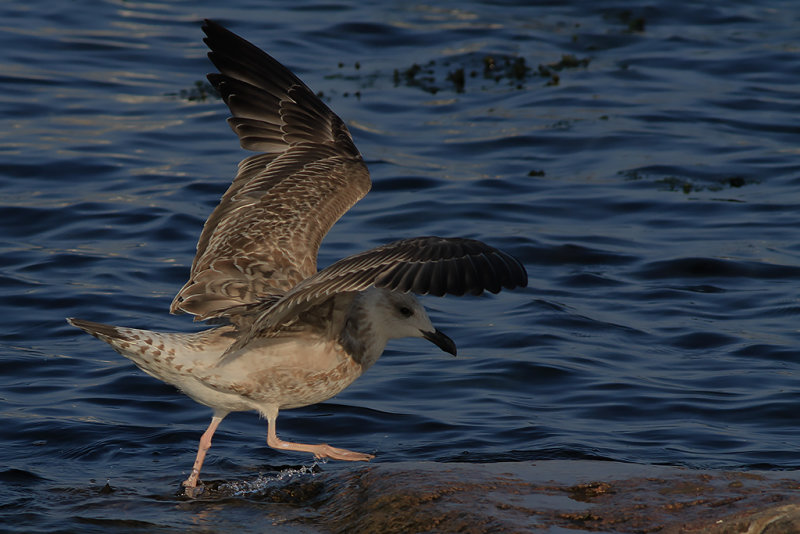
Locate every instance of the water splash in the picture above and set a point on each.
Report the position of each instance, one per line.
(267, 483)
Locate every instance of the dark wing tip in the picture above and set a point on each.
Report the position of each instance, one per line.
(511, 273)
(215, 29)
(455, 266)
(278, 108)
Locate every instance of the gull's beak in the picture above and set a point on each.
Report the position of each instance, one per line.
(440, 340)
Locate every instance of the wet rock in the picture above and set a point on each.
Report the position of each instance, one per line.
(515, 497)
(580, 496)
(778, 520)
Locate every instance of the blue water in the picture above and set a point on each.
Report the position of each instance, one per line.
(651, 187)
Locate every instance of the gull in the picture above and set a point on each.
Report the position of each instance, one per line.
(288, 335)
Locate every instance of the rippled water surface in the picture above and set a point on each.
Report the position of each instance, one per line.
(640, 158)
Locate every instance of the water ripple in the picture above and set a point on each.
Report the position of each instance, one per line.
(641, 162)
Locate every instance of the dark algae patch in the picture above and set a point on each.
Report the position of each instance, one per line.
(474, 71)
(461, 73)
(689, 185)
(199, 92)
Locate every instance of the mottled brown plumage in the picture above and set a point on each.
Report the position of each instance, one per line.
(263, 237)
(294, 336)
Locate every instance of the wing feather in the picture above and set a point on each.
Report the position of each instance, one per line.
(263, 237)
(423, 265)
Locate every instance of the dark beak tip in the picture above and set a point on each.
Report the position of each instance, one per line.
(441, 340)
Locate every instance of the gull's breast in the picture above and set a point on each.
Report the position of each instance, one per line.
(287, 373)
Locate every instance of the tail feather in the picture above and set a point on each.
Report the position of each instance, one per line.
(104, 332)
(136, 345)
(163, 355)
(181, 359)
(159, 355)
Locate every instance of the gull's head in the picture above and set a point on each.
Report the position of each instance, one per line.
(401, 315)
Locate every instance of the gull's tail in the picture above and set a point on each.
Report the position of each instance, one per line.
(166, 356)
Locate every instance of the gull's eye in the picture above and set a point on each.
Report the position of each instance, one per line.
(406, 311)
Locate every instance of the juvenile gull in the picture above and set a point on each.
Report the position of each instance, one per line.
(292, 336)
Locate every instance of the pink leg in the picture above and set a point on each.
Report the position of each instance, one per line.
(205, 443)
(319, 451)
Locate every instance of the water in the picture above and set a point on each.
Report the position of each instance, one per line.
(649, 181)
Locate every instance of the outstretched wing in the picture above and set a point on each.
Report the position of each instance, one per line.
(263, 237)
(423, 265)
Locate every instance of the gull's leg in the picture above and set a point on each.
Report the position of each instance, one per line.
(320, 451)
(205, 443)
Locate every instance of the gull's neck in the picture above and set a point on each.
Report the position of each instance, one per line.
(361, 336)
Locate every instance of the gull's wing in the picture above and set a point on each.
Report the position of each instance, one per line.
(263, 237)
(422, 265)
